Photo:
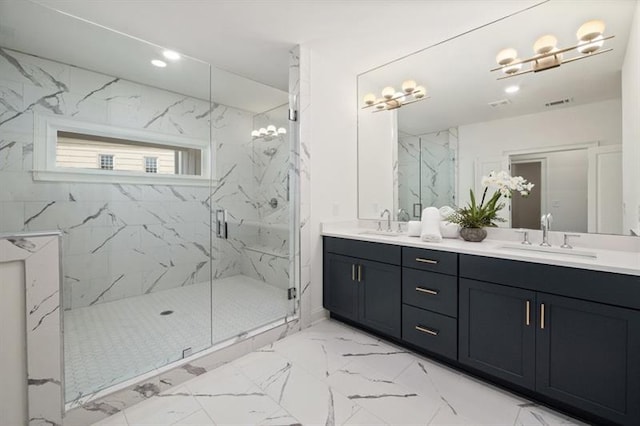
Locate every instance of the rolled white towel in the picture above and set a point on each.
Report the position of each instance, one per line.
(414, 228)
(449, 230)
(445, 212)
(431, 225)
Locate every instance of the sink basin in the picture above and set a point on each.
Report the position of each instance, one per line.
(381, 233)
(550, 250)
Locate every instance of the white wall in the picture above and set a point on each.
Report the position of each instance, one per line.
(631, 128)
(380, 142)
(331, 118)
(13, 345)
(595, 122)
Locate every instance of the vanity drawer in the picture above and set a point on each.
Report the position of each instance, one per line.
(430, 260)
(597, 286)
(429, 290)
(385, 253)
(430, 331)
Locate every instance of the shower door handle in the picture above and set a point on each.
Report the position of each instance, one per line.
(221, 223)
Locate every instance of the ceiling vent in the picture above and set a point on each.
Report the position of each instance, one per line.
(500, 103)
(558, 102)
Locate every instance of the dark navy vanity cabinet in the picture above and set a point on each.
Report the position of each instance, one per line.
(568, 337)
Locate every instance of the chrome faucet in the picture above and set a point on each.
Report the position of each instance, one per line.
(545, 225)
(403, 215)
(388, 218)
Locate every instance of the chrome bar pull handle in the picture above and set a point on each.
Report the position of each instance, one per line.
(353, 272)
(427, 330)
(528, 313)
(221, 223)
(359, 273)
(542, 316)
(421, 260)
(427, 290)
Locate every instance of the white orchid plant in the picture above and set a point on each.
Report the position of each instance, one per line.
(480, 215)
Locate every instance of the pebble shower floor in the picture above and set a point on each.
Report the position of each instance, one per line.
(115, 341)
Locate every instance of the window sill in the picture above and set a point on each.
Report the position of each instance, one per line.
(100, 176)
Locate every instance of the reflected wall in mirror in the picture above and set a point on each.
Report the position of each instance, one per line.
(571, 129)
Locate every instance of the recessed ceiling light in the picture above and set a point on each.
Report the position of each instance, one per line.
(171, 55)
(158, 63)
(512, 89)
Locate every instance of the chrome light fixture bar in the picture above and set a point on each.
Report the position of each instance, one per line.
(390, 100)
(548, 56)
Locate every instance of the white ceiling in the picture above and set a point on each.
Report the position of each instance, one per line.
(249, 38)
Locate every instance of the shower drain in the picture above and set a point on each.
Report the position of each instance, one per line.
(166, 312)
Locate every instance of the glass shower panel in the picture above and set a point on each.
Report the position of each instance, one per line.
(252, 276)
(136, 242)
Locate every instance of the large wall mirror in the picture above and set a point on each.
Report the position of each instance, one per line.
(569, 128)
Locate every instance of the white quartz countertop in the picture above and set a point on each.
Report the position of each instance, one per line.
(617, 261)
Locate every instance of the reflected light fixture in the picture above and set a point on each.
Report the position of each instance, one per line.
(171, 55)
(391, 99)
(548, 55)
(158, 63)
(268, 133)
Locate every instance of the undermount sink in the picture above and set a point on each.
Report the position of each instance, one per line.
(550, 250)
(381, 233)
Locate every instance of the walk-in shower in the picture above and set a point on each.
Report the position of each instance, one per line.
(176, 221)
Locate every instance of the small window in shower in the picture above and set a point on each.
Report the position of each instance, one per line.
(71, 150)
(75, 150)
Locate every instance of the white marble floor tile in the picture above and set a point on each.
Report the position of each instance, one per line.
(331, 374)
(246, 408)
(199, 418)
(363, 417)
(115, 420)
(534, 415)
(163, 410)
(377, 393)
(280, 418)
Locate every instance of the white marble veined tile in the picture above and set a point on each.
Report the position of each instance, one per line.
(534, 415)
(363, 417)
(199, 418)
(329, 348)
(243, 408)
(272, 386)
(116, 420)
(381, 396)
(308, 398)
(163, 410)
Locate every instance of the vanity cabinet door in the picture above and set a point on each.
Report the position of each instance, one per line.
(380, 299)
(588, 356)
(497, 331)
(341, 285)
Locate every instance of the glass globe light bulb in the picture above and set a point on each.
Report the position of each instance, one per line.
(388, 92)
(282, 131)
(271, 129)
(506, 56)
(419, 92)
(409, 86)
(369, 99)
(590, 30)
(263, 131)
(255, 134)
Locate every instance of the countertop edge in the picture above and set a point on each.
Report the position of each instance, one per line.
(489, 248)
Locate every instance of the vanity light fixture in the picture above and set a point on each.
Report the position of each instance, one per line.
(411, 93)
(268, 133)
(171, 55)
(548, 55)
(158, 63)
